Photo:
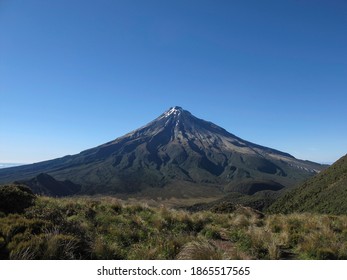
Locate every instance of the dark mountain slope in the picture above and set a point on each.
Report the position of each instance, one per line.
(324, 193)
(259, 201)
(173, 149)
(43, 184)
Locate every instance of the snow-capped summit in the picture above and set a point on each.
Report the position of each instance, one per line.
(173, 110)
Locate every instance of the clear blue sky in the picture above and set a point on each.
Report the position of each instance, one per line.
(75, 74)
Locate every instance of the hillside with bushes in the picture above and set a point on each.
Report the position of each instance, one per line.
(324, 193)
(107, 228)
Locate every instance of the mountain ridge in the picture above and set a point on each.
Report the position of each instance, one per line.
(43, 184)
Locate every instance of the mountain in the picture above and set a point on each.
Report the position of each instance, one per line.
(324, 193)
(178, 153)
(43, 184)
(6, 165)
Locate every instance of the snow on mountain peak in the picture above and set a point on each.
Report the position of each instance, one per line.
(174, 110)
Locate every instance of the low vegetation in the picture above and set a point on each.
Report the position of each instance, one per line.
(107, 228)
(324, 193)
(15, 198)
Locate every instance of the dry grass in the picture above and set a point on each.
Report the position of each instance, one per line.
(108, 228)
(200, 250)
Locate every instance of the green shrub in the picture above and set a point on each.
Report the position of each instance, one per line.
(211, 232)
(15, 198)
(242, 240)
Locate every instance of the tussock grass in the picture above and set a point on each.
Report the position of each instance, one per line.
(200, 250)
(108, 228)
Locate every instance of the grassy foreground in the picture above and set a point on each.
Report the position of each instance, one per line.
(107, 228)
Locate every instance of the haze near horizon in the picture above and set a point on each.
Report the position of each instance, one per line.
(77, 74)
